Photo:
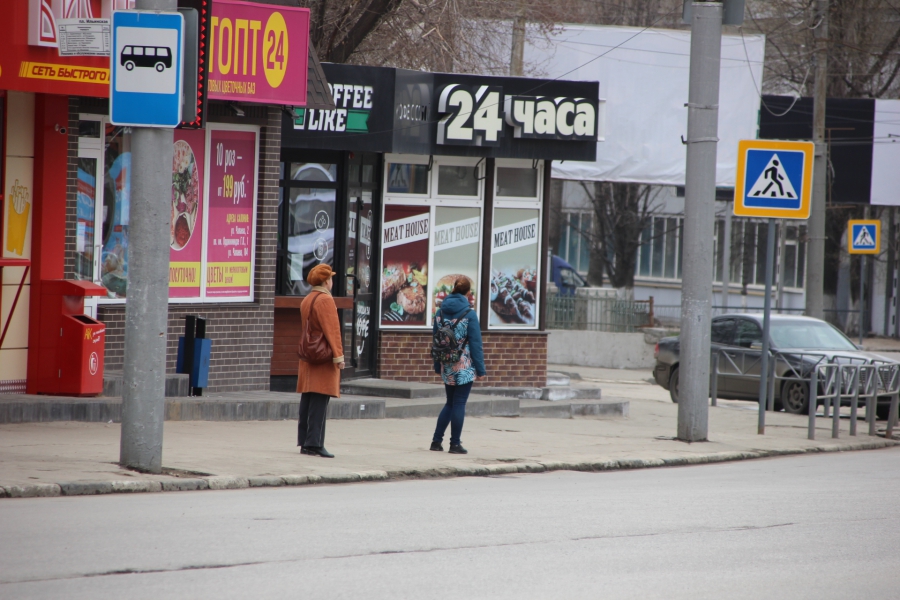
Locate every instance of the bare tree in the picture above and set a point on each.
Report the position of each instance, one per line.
(463, 36)
(622, 212)
(863, 62)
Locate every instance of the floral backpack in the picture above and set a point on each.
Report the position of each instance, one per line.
(446, 348)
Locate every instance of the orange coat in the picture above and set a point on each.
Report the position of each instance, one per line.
(324, 378)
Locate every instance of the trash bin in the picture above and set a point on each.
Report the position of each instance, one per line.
(71, 343)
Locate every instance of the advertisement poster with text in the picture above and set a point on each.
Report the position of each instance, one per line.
(258, 53)
(515, 242)
(404, 277)
(186, 231)
(232, 185)
(456, 240)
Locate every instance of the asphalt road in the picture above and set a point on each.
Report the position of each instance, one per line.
(824, 526)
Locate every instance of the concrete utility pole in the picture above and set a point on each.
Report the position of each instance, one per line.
(815, 255)
(699, 220)
(517, 55)
(147, 304)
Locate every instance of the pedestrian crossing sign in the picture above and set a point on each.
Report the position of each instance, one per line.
(863, 237)
(774, 179)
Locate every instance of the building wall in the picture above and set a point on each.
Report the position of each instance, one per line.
(241, 333)
(511, 359)
(16, 237)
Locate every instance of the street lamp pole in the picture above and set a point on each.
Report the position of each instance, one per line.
(699, 220)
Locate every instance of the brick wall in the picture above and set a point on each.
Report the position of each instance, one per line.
(511, 359)
(285, 342)
(241, 333)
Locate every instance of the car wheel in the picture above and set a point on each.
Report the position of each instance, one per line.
(673, 385)
(129, 66)
(795, 397)
(160, 67)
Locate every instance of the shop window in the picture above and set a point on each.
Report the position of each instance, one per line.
(313, 172)
(517, 183)
(405, 253)
(515, 264)
(306, 231)
(212, 216)
(404, 178)
(457, 180)
(310, 233)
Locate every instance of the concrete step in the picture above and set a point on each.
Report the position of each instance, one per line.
(559, 393)
(557, 378)
(386, 388)
(177, 385)
(569, 410)
(274, 406)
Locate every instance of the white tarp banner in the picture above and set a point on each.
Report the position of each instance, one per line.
(645, 85)
(886, 153)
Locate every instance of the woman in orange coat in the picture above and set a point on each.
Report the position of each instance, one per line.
(318, 383)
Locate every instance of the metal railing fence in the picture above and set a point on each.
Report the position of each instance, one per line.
(830, 381)
(586, 313)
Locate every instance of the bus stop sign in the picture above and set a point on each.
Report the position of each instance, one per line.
(774, 179)
(147, 68)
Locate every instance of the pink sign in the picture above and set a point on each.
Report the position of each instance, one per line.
(232, 185)
(186, 232)
(258, 53)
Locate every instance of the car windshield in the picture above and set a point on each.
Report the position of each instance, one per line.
(808, 335)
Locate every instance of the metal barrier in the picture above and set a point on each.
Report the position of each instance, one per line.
(849, 379)
(588, 313)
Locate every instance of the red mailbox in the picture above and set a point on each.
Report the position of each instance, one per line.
(71, 343)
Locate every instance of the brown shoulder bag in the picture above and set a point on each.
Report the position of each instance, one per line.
(314, 348)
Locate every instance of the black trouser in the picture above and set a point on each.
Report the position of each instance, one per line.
(311, 428)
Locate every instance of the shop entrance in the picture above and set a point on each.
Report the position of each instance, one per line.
(360, 326)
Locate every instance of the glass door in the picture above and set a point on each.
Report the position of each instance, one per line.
(359, 326)
(89, 202)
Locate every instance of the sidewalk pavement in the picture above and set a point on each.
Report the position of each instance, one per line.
(73, 458)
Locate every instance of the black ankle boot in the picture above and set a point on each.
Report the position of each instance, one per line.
(457, 449)
(436, 447)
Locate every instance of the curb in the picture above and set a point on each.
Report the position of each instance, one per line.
(44, 490)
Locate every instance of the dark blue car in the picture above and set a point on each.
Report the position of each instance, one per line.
(565, 277)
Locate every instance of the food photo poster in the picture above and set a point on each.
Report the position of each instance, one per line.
(186, 230)
(404, 280)
(456, 241)
(515, 244)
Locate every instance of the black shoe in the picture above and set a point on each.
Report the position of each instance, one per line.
(436, 446)
(319, 451)
(458, 449)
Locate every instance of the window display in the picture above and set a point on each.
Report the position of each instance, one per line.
(186, 226)
(515, 244)
(407, 179)
(457, 252)
(404, 279)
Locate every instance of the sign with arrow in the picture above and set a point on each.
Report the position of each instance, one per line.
(774, 179)
(863, 236)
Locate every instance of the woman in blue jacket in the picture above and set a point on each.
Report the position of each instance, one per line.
(458, 376)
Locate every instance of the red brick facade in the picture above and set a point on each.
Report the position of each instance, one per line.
(511, 359)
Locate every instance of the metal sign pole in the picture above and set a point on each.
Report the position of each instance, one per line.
(862, 297)
(767, 309)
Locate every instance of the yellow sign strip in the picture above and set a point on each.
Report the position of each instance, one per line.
(54, 72)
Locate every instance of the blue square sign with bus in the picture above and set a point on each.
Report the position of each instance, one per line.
(774, 179)
(147, 65)
(863, 236)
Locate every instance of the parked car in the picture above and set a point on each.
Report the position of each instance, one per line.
(791, 334)
(565, 277)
